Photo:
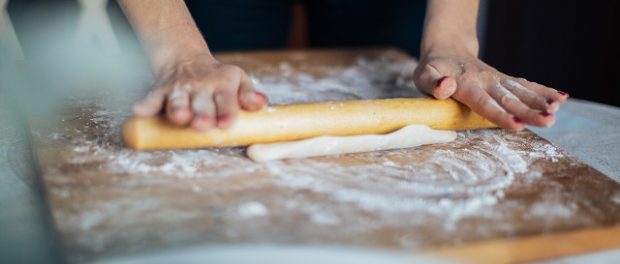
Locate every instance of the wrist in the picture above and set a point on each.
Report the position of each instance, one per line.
(450, 44)
(175, 45)
(161, 65)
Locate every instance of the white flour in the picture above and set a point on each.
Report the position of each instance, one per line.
(449, 182)
(367, 80)
(252, 209)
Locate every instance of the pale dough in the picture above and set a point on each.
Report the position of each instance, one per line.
(406, 137)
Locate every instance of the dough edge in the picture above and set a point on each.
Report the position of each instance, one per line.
(406, 137)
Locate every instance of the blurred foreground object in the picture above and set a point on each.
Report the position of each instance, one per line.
(8, 39)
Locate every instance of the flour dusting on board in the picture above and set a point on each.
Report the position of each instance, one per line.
(366, 80)
(445, 185)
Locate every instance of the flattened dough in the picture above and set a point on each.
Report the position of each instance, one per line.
(406, 137)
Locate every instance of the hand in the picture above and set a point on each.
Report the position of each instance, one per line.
(507, 101)
(200, 92)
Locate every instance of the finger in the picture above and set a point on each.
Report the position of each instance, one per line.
(552, 97)
(531, 99)
(177, 107)
(432, 81)
(480, 102)
(226, 105)
(549, 93)
(514, 106)
(249, 98)
(204, 110)
(150, 105)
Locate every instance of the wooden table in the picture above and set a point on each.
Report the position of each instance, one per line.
(494, 194)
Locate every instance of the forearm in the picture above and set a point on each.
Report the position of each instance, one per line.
(450, 25)
(166, 30)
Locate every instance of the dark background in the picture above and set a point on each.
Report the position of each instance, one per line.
(569, 45)
(572, 46)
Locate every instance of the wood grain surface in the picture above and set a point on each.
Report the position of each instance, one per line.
(488, 185)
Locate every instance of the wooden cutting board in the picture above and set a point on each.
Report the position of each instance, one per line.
(489, 186)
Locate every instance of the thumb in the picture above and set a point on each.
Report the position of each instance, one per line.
(249, 98)
(431, 81)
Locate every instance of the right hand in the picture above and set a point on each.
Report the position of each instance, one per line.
(202, 93)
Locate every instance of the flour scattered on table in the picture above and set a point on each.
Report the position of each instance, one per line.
(443, 188)
(368, 79)
(616, 197)
(251, 209)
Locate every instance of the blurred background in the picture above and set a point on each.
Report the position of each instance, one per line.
(569, 45)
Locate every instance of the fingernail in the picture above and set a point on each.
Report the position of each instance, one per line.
(545, 113)
(223, 121)
(222, 118)
(262, 96)
(550, 101)
(563, 93)
(517, 120)
(441, 80)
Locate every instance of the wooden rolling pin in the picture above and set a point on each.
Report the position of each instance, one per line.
(299, 121)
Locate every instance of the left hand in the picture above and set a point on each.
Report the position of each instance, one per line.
(507, 101)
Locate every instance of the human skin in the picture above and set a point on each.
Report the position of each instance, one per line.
(193, 89)
(191, 86)
(449, 67)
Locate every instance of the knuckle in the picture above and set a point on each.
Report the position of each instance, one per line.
(223, 95)
(193, 83)
(487, 75)
(508, 98)
(175, 95)
(219, 80)
(201, 84)
(178, 85)
(504, 99)
(231, 69)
